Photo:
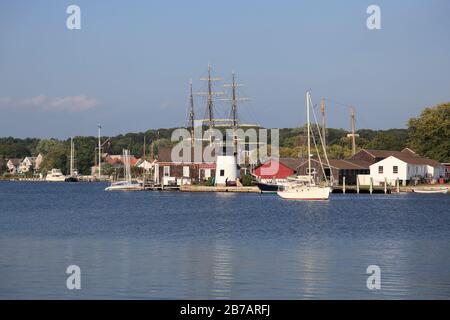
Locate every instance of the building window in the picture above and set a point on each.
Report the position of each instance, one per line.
(222, 173)
(166, 171)
(395, 169)
(380, 169)
(186, 171)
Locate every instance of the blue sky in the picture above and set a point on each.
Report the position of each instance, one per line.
(129, 65)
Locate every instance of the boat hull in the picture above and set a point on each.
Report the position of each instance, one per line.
(268, 187)
(438, 191)
(131, 187)
(305, 193)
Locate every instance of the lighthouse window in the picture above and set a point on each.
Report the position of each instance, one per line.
(222, 173)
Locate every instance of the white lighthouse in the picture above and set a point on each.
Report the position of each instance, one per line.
(226, 169)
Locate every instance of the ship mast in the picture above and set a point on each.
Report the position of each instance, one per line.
(191, 112)
(309, 138)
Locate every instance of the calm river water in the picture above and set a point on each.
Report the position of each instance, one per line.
(163, 245)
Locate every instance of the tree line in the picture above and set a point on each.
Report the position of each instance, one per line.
(428, 135)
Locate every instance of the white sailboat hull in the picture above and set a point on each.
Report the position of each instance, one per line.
(124, 187)
(305, 193)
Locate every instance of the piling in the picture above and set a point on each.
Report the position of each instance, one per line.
(385, 185)
(371, 185)
(357, 185)
(343, 184)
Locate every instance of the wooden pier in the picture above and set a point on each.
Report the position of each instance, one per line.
(197, 188)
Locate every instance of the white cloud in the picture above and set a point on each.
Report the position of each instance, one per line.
(42, 102)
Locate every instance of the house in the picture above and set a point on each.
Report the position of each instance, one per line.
(374, 156)
(13, 165)
(113, 159)
(446, 170)
(336, 171)
(31, 163)
(406, 168)
(171, 173)
(278, 169)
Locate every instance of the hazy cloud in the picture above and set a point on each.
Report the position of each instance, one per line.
(43, 102)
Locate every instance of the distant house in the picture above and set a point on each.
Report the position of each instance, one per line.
(446, 170)
(13, 165)
(31, 163)
(113, 159)
(405, 168)
(277, 169)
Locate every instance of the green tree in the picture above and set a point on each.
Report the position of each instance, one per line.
(429, 134)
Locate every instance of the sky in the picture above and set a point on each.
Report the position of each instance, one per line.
(129, 65)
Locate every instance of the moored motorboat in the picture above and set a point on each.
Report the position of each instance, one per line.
(55, 175)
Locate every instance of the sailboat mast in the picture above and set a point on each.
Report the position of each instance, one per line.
(99, 153)
(71, 156)
(309, 137)
(324, 124)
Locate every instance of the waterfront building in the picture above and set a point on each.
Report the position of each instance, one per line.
(406, 168)
(13, 165)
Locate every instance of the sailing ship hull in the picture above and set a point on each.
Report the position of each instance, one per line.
(305, 193)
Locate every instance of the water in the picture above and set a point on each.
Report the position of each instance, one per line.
(170, 245)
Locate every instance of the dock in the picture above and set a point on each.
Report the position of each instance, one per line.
(198, 188)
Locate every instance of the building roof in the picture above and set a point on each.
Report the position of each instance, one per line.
(15, 161)
(292, 163)
(165, 155)
(386, 153)
(345, 164)
(417, 160)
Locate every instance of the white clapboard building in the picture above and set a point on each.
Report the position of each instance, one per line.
(405, 168)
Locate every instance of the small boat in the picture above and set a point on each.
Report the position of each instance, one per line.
(127, 184)
(431, 191)
(55, 175)
(269, 187)
(73, 177)
(124, 186)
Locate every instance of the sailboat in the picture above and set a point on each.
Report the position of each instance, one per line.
(299, 190)
(127, 184)
(73, 174)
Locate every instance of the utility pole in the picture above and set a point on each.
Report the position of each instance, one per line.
(99, 153)
(353, 135)
(324, 125)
